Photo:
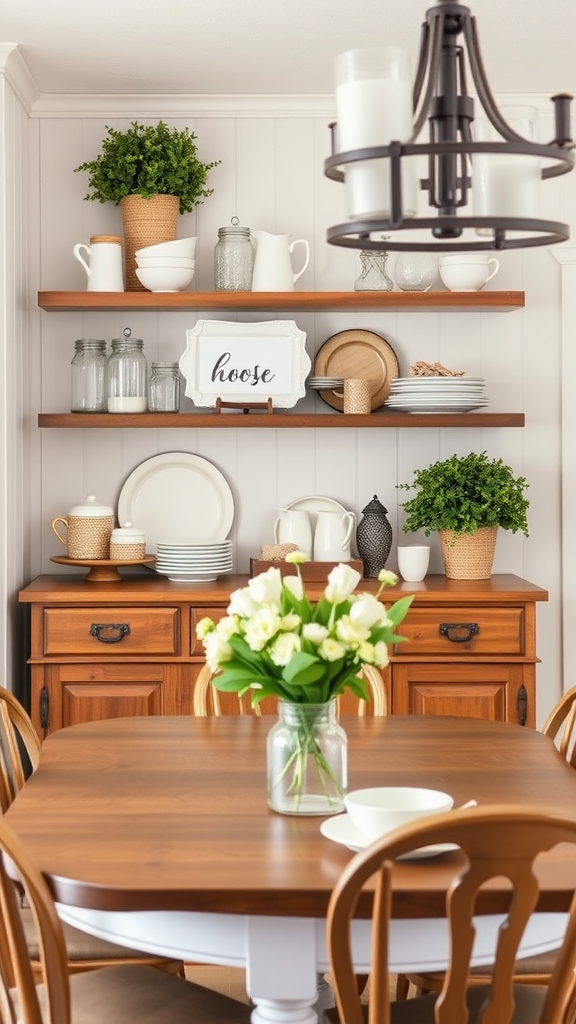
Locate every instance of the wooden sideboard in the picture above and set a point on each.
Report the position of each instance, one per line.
(105, 650)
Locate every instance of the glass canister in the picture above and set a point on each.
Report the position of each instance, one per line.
(374, 275)
(306, 758)
(88, 375)
(164, 387)
(127, 374)
(233, 259)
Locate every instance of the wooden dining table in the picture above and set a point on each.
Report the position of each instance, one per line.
(155, 832)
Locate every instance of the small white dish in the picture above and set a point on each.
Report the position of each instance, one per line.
(341, 829)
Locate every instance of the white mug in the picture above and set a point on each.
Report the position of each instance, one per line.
(104, 270)
(413, 562)
(467, 272)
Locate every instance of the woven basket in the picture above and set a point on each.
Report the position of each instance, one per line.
(469, 556)
(146, 222)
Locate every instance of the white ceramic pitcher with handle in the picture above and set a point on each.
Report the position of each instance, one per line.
(104, 270)
(293, 526)
(273, 271)
(332, 536)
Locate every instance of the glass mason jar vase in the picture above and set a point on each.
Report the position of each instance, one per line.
(127, 375)
(307, 760)
(89, 376)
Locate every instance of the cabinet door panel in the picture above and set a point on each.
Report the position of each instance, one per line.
(495, 692)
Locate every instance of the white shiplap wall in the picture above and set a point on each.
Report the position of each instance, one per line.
(271, 177)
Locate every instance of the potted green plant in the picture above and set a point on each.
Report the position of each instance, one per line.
(153, 173)
(466, 498)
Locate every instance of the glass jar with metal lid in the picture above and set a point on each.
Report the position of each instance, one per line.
(233, 259)
(88, 375)
(164, 387)
(127, 375)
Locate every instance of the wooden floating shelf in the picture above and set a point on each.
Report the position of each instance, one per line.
(263, 421)
(442, 301)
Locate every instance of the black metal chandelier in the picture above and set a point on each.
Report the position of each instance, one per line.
(440, 96)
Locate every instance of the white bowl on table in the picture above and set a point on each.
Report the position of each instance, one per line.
(380, 809)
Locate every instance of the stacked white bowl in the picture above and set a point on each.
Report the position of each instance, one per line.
(168, 266)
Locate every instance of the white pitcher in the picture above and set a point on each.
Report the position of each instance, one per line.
(105, 268)
(332, 536)
(293, 526)
(273, 271)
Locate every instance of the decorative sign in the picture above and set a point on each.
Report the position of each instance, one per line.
(240, 362)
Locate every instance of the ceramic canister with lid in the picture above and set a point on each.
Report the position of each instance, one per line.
(88, 530)
(127, 542)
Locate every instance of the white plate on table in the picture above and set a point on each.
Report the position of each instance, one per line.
(177, 498)
(341, 829)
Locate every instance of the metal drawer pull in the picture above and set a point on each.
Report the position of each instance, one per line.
(448, 628)
(121, 629)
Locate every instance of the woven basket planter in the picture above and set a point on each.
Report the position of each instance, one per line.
(146, 222)
(470, 556)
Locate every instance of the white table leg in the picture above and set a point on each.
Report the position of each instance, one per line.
(281, 975)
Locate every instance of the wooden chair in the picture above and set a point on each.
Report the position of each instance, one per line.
(19, 741)
(481, 832)
(530, 970)
(130, 993)
(207, 700)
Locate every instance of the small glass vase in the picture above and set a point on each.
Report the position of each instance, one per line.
(307, 760)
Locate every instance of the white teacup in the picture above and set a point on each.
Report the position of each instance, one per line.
(467, 272)
(383, 808)
(413, 562)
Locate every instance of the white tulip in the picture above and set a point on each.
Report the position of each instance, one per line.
(368, 611)
(332, 650)
(227, 627)
(283, 647)
(241, 603)
(351, 632)
(381, 656)
(341, 582)
(294, 585)
(262, 627)
(314, 632)
(217, 651)
(267, 587)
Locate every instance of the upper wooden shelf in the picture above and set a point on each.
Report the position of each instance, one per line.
(474, 302)
(280, 419)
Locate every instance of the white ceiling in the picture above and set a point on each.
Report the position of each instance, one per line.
(266, 46)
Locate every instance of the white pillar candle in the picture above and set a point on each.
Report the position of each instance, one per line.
(505, 185)
(374, 108)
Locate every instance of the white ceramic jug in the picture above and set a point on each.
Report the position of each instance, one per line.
(273, 271)
(332, 536)
(293, 526)
(105, 268)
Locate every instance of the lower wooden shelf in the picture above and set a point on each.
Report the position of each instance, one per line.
(260, 421)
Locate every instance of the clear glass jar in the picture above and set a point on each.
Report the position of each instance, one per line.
(233, 259)
(164, 387)
(127, 375)
(307, 760)
(415, 271)
(374, 275)
(88, 373)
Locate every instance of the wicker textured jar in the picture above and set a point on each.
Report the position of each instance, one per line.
(469, 556)
(127, 542)
(88, 530)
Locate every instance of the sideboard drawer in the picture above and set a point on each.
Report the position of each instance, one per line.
(112, 632)
(196, 616)
(460, 629)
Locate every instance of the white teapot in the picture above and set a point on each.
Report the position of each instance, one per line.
(273, 271)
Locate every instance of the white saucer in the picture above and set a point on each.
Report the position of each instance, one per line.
(341, 829)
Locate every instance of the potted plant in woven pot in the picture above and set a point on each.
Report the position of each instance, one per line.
(466, 498)
(153, 173)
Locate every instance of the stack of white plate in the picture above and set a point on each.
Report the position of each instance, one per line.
(324, 383)
(437, 394)
(193, 563)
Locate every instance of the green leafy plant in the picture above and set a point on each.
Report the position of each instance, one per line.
(465, 494)
(148, 160)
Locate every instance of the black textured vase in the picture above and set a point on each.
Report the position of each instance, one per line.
(374, 537)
